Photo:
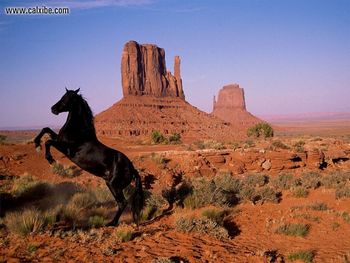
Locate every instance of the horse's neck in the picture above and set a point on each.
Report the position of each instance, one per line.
(78, 127)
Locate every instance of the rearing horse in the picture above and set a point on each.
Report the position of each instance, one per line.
(77, 140)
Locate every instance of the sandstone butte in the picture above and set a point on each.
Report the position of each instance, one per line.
(230, 106)
(154, 99)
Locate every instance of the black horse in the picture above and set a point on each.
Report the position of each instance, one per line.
(77, 140)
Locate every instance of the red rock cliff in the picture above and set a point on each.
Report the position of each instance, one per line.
(143, 71)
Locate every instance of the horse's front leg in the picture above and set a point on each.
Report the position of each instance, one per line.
(62, 147)
(37, 139)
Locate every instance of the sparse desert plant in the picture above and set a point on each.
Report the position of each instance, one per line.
(319, 206)
(249, 143)
(25, 222)
(124, 233)
(102, 194)
(299, 192)
(216, 215)
(31, 248)
(260, 130)
(268, 194)
(65, 170)
(83, 200)
(310, 180)
(153, 205)
(299, 146)
(210, 192)
(209, 144)
(175, 138)
(300, 230)
(227, 182)
(277, 144)
(345, 215)
(335, 179)
(342, 191)
(2, 138)
(335, 226)
(248, 193)
(201, 225)
(283, 181)
(256, 179)
(96, 221)
(159, 159)
(22, 183)
(307, 217)
(306, 256)
(157, 137)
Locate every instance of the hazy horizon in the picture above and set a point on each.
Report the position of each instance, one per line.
(290, 57)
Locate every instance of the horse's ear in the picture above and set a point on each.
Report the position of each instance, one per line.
(76, 91)
(66, 89)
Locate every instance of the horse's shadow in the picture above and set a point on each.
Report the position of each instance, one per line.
(42, 196)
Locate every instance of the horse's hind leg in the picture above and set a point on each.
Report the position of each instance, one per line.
(121, 201)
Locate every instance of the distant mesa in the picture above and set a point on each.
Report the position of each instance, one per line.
(144, 72)
(230, 106)
(154, 99)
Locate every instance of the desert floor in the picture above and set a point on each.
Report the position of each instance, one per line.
(281, 213)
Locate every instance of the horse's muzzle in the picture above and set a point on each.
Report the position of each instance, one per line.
(54, 111)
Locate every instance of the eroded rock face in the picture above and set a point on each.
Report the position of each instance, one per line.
(230, 106)
(144, 72)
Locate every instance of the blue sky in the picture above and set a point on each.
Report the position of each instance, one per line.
(290, 56)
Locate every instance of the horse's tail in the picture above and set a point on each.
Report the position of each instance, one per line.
(137, 201)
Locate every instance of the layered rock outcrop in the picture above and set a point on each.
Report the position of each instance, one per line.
(144, 72)
(230, 106)
(153, 99)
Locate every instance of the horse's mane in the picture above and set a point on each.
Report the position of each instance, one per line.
(87, 114)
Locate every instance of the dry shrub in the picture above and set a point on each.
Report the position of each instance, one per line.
(256, 180)
(306, 256)
(300, 192)
(283, 181)
(201, 225)
(310, 180)
(300, 230)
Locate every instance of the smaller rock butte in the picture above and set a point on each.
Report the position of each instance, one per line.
(144, 72)
(230, 106)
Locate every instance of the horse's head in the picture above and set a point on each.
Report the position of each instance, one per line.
(66, 103)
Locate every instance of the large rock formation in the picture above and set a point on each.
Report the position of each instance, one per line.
(154, 100)
(230, 106)
(144, 72)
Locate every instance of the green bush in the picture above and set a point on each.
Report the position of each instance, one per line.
(157, 137)
(175, 138)
(260, 130)
(215, 215)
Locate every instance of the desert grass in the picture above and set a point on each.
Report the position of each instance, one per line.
(256, 180)
(65, 170)
(306, 256)
(299, 192)
(26, 222)
(300, 230)
(124, 233)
